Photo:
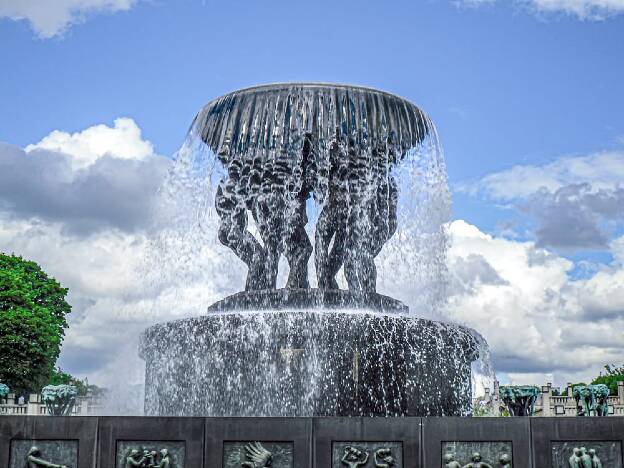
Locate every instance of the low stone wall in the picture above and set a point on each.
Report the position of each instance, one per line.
(120, 442)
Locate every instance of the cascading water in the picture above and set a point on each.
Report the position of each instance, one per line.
(355, 177)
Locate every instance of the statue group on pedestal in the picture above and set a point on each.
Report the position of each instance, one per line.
(519, 399)
(476, 461)
(591, 400)
(583, 458)
(145, 458)
(59, 399)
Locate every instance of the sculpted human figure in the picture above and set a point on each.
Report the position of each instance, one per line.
(165, 460)
(258, 456)
(135, 458)
(358, 216)
(576, 460)
(595, 461)
(505, 460)
(585, 458)
(354, 457)
(384, 459)
(275, 193)
(33, 460)
(450, 462)
(477, 462)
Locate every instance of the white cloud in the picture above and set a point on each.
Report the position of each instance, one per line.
(123, 140)
(583, 9)
(604, 170)
(592, 10)
(49, 18)
(576, 203)
(538, 320)
(100, 178)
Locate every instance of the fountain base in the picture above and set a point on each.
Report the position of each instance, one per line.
(307, 362)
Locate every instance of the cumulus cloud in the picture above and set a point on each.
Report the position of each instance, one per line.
(103, 177)
(574, 202)
(53, 18)
(535, 318)
(604, 170)
(123, 141)
(592, 10)
(123, 278)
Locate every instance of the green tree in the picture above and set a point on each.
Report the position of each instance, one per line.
(32, 323)
(610, 378)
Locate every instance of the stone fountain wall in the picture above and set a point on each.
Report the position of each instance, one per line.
(106, 442)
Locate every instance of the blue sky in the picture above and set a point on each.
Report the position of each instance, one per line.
(521, 91)
(504, 86)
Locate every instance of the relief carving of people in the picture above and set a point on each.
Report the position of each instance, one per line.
(579, 458)
(148, 459)
(505, 460)
(450, 462)
(476, 462)
(384, 459)
(33, 460)
(354, 457)
(595, 461)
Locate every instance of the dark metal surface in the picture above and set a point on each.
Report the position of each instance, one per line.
(306, 299)
(550, 434)
(513, 431)
(62, 430)
(279, 433)
(316, 442)
(185, 434)
(366, 432)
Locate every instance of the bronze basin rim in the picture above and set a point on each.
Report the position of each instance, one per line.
(310, 84)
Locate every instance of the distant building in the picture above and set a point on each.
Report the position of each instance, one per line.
(31, 405)
(549, 404)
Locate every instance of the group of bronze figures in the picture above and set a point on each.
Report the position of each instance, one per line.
(282, 145)
(583, 458)
(591, 400)
(476, 461)
(358, 214)
(519, 399)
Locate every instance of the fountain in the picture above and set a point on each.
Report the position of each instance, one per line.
(366, 164)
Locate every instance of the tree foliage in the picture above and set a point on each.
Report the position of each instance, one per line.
(32, 323)
(610, 378)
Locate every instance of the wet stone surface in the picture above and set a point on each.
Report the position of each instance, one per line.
(367, 454)
(59, 452)
(608, 452)
(149, 453)
(490, 451)
(253, 454)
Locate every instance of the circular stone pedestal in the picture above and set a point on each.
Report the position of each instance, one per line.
(307, 362)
